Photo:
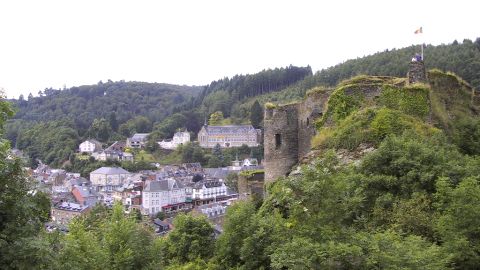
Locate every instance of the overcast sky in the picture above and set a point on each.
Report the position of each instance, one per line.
(55, 43)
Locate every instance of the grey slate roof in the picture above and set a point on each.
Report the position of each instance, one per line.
(246, 129)
(208, 184)
(162, 185)
(111, 170)
(84, 191)
(217, 173)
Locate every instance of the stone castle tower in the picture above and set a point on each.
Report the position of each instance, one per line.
(288, 131)
(416, 72)
(290, 128)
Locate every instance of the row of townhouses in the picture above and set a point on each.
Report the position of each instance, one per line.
(168, 190)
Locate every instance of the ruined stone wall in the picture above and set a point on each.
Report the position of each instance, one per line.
(416, 73)
(246, 187)
(309, 111)
(288, 131)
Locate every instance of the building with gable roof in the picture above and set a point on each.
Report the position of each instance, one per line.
(113, 154)
(179, 138)
(106, 179)
(229, 136)
(137, 141)
(118, 146)
(162, 196)
(90, 146)
(85, 196)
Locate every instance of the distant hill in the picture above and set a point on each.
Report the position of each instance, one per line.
(85, 103)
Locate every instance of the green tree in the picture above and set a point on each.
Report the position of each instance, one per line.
(192, 238)
(216, 118)
(232, 181)
(117, 243)
(214, 162)
(217, 152)
(198, 155)
(236, 228)
(112, 120)
(23, 208)
(256, 114)
(187, 152)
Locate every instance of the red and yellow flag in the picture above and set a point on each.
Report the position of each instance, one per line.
(419, 31)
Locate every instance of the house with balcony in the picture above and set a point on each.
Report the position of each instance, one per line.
(208, 191)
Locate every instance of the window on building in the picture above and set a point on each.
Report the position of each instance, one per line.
(278, 141)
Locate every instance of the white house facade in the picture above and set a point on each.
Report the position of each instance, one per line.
(208, 189)
(90, 146)
(106, 179)
(161, 196)
(179, 138)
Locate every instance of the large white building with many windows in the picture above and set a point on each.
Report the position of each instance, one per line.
(162, 196)
(106, 179)
(229, 136)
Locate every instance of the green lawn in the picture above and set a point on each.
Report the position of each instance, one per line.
(144, 156)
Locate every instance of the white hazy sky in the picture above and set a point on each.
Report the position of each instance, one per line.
(55, 43)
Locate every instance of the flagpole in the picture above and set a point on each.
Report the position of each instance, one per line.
(423, 59)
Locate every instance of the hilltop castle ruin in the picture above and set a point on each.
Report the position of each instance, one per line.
(290, 128)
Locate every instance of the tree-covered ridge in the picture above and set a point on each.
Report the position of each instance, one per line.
(85, 103)
(223, 94)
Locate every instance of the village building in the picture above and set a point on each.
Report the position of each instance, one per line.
(209, 191)
(137, 141)
(179, 138)
(85, 196)
(214, 211)
(63, 213)
(106, 179)
(229, 136)
(113, 154)
(162, 196)
(90, 146)
(117, 146)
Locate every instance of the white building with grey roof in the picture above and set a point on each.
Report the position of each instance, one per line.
(106, 179)
(208, 191)
(162, 196)
(229, 136)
